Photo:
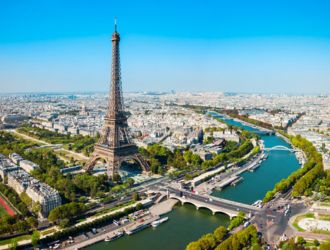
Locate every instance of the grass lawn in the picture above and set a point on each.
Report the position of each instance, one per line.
(19, 238)
(324, 216)
(48, 231)
(295, 222)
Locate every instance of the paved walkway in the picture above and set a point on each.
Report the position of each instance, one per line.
(313, 236)
(163, 207)
(101, 237)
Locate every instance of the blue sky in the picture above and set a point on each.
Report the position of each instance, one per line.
(238, 45)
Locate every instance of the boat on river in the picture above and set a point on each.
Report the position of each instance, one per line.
(156, 223)
(114, 236)
(235, 182)
(137, 228)
(254, 167)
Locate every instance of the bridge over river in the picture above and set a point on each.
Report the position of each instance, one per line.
(281, 148)
(216, 205)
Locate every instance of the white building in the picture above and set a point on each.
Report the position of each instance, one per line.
(21, 181)
(28, 166)
(16, 158)
(6, 166)
(18, 180)
(227, 135)
(46, 196)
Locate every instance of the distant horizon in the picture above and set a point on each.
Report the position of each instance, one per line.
(164, 92)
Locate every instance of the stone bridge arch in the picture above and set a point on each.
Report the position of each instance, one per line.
(198, 206)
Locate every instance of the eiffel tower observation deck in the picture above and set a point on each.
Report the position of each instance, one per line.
(115, 145)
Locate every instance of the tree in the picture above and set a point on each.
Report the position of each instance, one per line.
(64, 223)
(129, 182)
(196, 160)
(116, 178)
(194, 246)
(139, 206)
(13, 244)
(235, 243)
(316, 242)
(236, 221)
(207, 242)
(325, 246)
(154, 164)
(135, 196)
(220, 233)
(35, 238)
(65, 214)
(301, 240)
(33, 223)
(36, 207)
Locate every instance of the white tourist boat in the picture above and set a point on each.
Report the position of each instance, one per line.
(156, 223)
(114, 236)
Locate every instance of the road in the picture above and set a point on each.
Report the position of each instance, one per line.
(272, 222)
(226, 204)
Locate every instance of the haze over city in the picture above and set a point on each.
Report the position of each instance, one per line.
(232, 46)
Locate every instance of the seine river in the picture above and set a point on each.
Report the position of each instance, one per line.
(187, 224)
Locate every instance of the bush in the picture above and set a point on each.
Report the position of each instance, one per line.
(236, 221)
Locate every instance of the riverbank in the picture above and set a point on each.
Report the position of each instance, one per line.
(112, 229)
(278, 165)
(254, 126)
(222, 180)
(185, 223)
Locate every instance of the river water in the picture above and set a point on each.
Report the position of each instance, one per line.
(187, 224)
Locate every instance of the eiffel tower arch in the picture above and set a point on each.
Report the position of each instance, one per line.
(115, 145)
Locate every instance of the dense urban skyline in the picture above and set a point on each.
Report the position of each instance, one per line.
(233, 47)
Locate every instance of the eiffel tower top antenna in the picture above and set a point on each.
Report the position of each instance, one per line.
(115, 24)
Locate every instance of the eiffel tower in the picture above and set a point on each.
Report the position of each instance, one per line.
(115, 145)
